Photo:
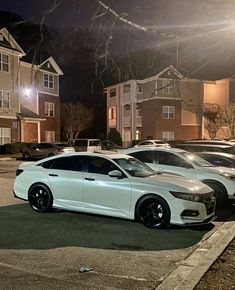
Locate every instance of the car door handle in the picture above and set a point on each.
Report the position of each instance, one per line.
(90, 179)
(54, 175)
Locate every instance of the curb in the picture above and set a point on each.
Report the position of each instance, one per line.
(194, 267)
(6, 158)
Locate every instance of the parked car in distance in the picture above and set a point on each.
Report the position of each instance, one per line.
(83, 144)
(42, 150)
(201, 147)
(183, 163)
(114, 185)
(157, 143)
(109, 145)
(218, 158)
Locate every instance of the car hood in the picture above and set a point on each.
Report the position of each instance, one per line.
(176, 183)
(219, 170)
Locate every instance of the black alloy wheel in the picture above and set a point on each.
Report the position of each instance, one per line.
(153, 212)
(40, 198)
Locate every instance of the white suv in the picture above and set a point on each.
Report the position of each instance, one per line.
(182, 163)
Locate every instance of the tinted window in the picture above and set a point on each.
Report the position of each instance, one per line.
(44, 145)
(82, 143)
(73, 163)
(94, 143)
(171, 159)
(47, 164)
(218, 161)
(100, 165)
(144, 156)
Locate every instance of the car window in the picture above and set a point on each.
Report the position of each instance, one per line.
(171, 159)
(218, 161)
(82, 143)
(73, 163)
(94, 143)
(144, 156)
(100, 165)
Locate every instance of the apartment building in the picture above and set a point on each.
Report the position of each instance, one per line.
(166, 106)
(29, 96)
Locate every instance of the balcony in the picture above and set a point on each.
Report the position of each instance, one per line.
(126, 121)
(138, 121)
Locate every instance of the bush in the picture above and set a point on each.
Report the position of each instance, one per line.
(13, 148)
(115, 136)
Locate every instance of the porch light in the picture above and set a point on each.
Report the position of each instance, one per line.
(27, 92)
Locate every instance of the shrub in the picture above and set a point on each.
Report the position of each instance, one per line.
(115, 136)
(11, 148)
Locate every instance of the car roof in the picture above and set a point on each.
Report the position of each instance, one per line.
(209, 141)
(222, 154)
(135, 149)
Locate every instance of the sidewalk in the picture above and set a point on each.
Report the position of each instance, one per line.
(194, 269)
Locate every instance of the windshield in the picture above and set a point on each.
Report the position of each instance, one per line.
(135, 168)
(195, 160)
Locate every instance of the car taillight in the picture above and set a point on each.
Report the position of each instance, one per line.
(19, 171)
(60, 149)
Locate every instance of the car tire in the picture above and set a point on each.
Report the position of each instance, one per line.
(220, 193)
(40, 198)
(153, 212)
(26, 155)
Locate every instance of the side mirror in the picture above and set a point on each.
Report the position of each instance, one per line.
(115, 173)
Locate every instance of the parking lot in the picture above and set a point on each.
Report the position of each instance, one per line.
(46, 251)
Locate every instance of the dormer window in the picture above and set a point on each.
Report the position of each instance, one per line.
(48, 81)
(4, 62)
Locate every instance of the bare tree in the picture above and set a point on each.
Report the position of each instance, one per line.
(75, 118)
(225, 120)
(211, 128)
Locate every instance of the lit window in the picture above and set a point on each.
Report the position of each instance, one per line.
(4, 62)
(4, 99)
(50, 136)
(168, 112)
(112, 113)
(168, 135)
(48, 81)
(112, 93)
(49, 109)
(168, 86)
(126, 89)
(5, 135)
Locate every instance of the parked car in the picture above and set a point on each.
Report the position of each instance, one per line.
(157, 143)
(109, 145)
(84, 144)
(114, 185)
(218, 158)
(42, 150)
(210, 141)
(201, 147)
(183, 163)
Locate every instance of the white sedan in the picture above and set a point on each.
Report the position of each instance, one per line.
(182, 163)
(115, 185)
(156, 143)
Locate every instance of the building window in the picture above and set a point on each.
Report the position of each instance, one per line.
(4, 62)
(126, 89)
(168, 135)
(139, 88)
(168, 86)
(168, 112)
(112, 93)
(5, 135)
(112, 113)
(49, 109)
(48, 81)
(49, 136)
(4, 99)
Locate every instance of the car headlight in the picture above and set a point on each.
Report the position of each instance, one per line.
(197, 197)
(228, 176)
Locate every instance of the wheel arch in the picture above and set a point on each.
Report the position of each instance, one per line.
(39, 184)
(216, 182)
(146, 196)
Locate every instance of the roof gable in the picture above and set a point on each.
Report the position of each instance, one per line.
(50, 66)
(7, 41)
(170, 73)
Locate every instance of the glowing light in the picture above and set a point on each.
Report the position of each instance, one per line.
(27, 92)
